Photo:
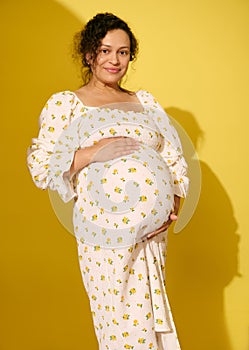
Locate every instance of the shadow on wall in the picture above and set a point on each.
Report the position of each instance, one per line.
(42, 296)
(203, 258)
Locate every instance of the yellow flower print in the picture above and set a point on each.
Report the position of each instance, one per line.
(134, 156)
(132, 291)
(156, 192)
(119, 281)
(115, 224)
(120, 256)
(103, 231)
(101, 210)
(113, 337)
(143, 215)
(98, 263)
(114, 208)
(101, 133)
(99, 306)
(141, 340)
(130, 249)
(149, 181)
(135, 323)
(108, 240)
(117, 189)
(132, 170)
(112, 131)
(107, 308)
(150, 346)
(125, 268)
(115, 292)
(157, 291)
(125, 334)
(126, 317)
(125, 220)
(131, 271)
(94, 297)
(127, 346)
(63, 117)
(132, 229)
(115, 171)
(126, 198)
(91, 278)
(51, 129)
(148, 316)
(142, 199)
(137, 132)
(140, 277)
(36, 177)
(156, 306)
(159, 321)
(94, 217)
(140, 305)
(102, 277)
(122, 299)
(103, 181)
(135, 183)
(120, 239)
(110, 261)
(114, 321)
(147, 296)
(122, 179)
(128, 131)
(154, 211)
(145, 164)
(89, 186)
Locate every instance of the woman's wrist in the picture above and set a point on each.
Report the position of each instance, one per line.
(82, 158)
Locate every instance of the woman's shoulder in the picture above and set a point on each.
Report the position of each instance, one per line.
(146, 97)
(65, 95)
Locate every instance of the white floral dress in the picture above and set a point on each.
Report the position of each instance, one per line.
(116, 204)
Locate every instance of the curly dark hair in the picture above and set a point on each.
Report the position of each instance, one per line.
(88, 40)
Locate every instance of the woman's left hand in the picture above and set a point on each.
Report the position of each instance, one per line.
(172, 217)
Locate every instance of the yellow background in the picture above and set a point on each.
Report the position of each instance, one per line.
(194, 59)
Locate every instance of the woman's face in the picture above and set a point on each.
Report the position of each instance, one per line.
(113, 58)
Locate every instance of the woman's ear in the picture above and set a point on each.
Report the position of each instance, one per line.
(89, 59)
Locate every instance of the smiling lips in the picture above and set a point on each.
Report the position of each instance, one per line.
(112, 70)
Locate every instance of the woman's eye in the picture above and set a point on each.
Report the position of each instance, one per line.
(105, 51)
(124, 53)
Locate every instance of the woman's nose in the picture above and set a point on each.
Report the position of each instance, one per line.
(114, 59)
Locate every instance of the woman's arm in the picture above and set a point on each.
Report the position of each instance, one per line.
(103, 151)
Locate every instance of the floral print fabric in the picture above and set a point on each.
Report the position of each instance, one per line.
(130, 308)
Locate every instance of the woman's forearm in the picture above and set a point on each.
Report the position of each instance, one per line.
(82, 158)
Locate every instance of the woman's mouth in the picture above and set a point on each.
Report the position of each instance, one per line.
(112, 70)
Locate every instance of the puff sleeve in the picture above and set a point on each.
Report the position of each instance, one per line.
(172, 149)
(51, 154)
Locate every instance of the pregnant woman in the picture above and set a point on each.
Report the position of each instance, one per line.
(116, 154)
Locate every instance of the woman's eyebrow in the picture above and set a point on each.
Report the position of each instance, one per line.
(121, 47)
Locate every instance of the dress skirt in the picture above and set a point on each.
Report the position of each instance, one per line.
(126, 290)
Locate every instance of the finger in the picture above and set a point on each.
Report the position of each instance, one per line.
(161, 229)
(173, 217)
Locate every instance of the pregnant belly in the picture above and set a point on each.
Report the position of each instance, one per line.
(121, 201)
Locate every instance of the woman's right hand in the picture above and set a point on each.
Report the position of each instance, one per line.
(113, 147)
(103, 151)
